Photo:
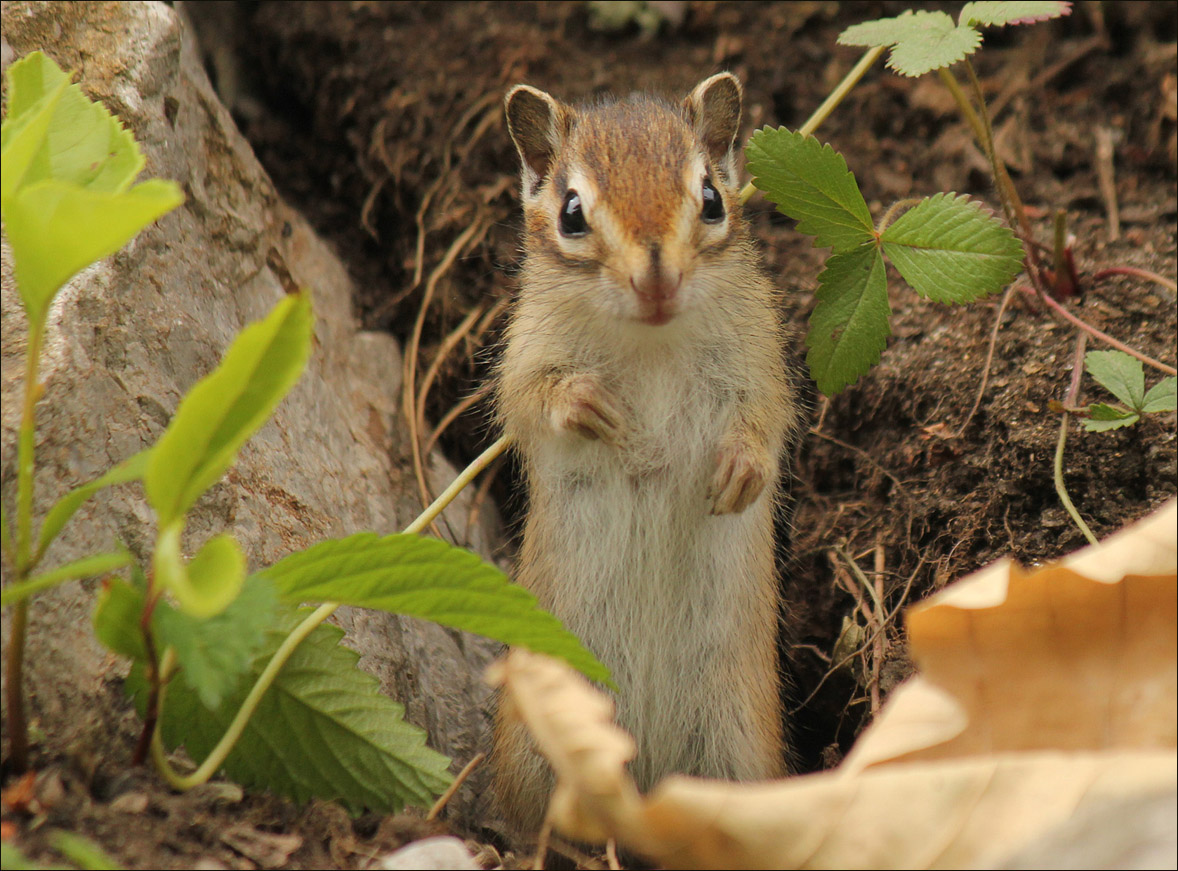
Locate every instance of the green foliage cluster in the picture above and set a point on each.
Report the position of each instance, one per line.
(226, 664)
(923, 41)
(1124, 377)
(948, 248)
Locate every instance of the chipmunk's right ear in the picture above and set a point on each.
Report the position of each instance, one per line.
(537, 124)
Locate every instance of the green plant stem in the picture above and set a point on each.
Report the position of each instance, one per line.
(1104, 337)
(1070, 400)
(967, 112)
(220, 753)
(1060, 488)
(828, 105)
(18, 732)
(25, 450)
(890, 214)
(1007, 193)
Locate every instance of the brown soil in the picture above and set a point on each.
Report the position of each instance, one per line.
(361, 112)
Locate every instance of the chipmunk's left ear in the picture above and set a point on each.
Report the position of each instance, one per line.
(713, 109)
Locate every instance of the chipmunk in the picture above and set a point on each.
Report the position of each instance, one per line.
(644, 385)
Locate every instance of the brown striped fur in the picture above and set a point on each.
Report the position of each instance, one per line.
(644, 388)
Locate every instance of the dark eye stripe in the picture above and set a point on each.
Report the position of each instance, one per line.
(572, 218)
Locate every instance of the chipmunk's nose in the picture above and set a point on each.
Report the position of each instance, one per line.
(657, 282)
(656, 288)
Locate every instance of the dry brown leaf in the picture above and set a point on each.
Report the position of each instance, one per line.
(573, 725)
(1042, 693)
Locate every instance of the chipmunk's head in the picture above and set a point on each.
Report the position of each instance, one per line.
(638, 196)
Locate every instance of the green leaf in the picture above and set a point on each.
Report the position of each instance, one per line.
(921, 41)
(849, 326)
(1161, 396)
(12, 858)
(98, 564)
(431, 580)
(23, 135)
(131, 469)
(213, 653)
(1120, 374)
(222, 411)
(67, 168)
(57, 228)
(1102, 418)
(950, 250)
(116, 619)
(205, 586)
(810, 183)
(82, 852)
(998, 13)
(323, 729)
(85, 144)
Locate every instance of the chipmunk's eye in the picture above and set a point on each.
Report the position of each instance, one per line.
(713, 211)
(572, 219)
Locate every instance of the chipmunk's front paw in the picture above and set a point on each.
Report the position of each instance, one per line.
(740, 477)
(583, 406)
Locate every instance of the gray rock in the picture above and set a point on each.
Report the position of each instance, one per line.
(131, 334)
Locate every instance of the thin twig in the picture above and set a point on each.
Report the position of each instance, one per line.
(866, 456)
(411, 349)
(977, 403)
(611, 855)
(881, 638)
(542, 845)
(445, 797)
(1106, 177)
(448, 344)
(457, 410)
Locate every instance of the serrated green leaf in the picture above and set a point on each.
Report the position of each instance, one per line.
(86, 145)
(950, 250)
(1102, 418)
(131, 469)
(323, 729)
(431, 580)
(86, 567)
(1120, 374)
(921, 41)
(213, 653)
(1162, 396)
(205, 586)
(810, 183)
(999, 13)
(56, 229)
(222, 411)
(117, 612)
(849, 326)
(67, 167)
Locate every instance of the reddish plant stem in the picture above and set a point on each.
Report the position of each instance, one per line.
(1104, 337)
(154, 681)
(1138, 273)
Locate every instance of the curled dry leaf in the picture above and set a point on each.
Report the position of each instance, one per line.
(573, 726)
(1042, 694)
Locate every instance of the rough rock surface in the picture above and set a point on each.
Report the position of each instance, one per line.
(131, 334)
